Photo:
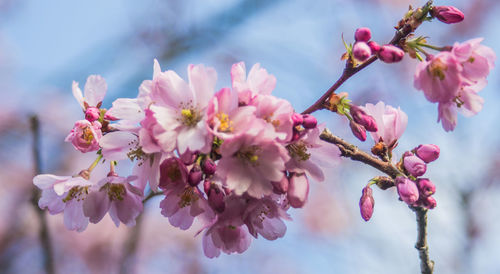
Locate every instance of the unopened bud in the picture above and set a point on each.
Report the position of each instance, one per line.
(361, 51)
(358, 130)
(429, 202)
(390, 54)
(414, 165)
(297, 119)
(281, 187)
(363, 35)
(374, 46)
(427, 153)
(92, 114)
(298, 189)
(360, 117)
(216, 199)
(447, 14)
(407, 190)
(426, 187)
(195, 176)
(208, 166)
(366, 203)
(309, 121)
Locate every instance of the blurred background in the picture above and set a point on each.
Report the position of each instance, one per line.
(45, 45)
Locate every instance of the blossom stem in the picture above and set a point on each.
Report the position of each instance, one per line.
(426, 264)
(433, 47)
(94, 164)
(349, 70)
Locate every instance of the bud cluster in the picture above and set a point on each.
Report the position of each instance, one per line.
(364, 48)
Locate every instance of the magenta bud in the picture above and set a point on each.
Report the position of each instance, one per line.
(298, 189)
(390, 54)
(427, 153)
(426, 187)
(360, 117)
(363, 35)
(297, 119)
(206, 186)
(216, 199)
(429, 202)
(92, 114)
(208, 166)
(407, 190)
(361, 51)
(280, 187)
(309, 121)
(358, 130)
(374, 46)
(414, 165)
(195, 176)
(447, 14)
(366, 203)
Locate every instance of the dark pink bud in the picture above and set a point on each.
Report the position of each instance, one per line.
(309, 121)
(407, 190)
(216, 199)
(426, 187)
(281, 187)
(374, 46)
(298, 190)
(361, 51)
(360, 117)
(172, 171)
(447, 14)
(428, 153)
(358, 130)
(195, 176)
(92, 114)
(208, 166)
(390, 54)
(297, 119)
(414, 165)
(429, 202)
(363, 35)
(206, 186)
(366, 203)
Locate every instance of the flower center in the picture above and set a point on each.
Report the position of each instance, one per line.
(226, 125)
(437, 69)
(77, 192)
(269, 119)
(87, 135)
(249, 155)
(190, 116)
(298, 151)
(188, 197)
(116, 192)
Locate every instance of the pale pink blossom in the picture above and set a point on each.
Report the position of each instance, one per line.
(257, 82)
(265, 217)
(391, 122)
(277, 113)
(114, 194)
(64, 194)
(477, 59)
(94, 91)
(85, 135)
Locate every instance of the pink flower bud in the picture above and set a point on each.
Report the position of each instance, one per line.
(195, 175)
(363, 35)
(447, 14)
(216, 199)
(85, 135)
(360, 117)
(374, 46)
(298, 189)
(281, 187)
(428, 153)
(92, 114)
(426, 187)
(208, 166)
(309, 121)
(366, 203)
(206, 186)
(361, 51)
(297, 119)
(390, 54)
(358, 130)
(429, 202)
(414, 165)
(407, 190)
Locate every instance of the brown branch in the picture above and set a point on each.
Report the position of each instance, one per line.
(426, 264)
(44, 235)
(401, 33)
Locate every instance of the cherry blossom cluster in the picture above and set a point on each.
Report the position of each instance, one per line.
(236, 159)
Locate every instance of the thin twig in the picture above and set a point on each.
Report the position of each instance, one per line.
(426, 264)
(44, 235)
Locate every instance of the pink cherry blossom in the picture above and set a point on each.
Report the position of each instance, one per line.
(277, 113)
(257, 82)
(391, 122)
(85, 135)
(94, 91)
(264, 217)
(116, 195)
(477, 59)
